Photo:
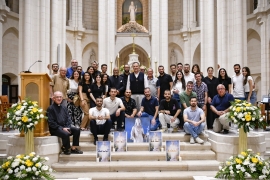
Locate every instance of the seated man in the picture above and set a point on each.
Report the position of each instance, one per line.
(60, 125)
(149, 108)
(129, 104)
(100, 122)
(113, 103)
(220, 106)
(194, 121)
(168, 111)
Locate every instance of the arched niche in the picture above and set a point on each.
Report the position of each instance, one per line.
(89, 54)
(68, 56)
(176, 54)
(257, 82)
(253, 51)
(197, 56)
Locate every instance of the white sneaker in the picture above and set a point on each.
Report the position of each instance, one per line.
(199, 140)
(191, 140)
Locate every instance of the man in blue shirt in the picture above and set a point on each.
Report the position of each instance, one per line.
(220, 106)
(72, 68)
(149, 108)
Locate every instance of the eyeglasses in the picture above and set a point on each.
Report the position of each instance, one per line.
(220, 88)
(58, 97)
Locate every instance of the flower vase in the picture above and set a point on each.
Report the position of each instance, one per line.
(242, 140)
(29, 142)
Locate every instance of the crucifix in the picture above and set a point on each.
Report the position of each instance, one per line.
(133, 45)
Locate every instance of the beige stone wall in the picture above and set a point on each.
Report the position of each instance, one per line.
(175, 15)
(90, 14)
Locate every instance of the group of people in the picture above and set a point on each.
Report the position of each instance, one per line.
(183, 99)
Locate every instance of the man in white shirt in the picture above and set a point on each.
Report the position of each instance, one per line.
(238, 85)
(100, 122)
(136, 82)
(189, 76)
(113, 103)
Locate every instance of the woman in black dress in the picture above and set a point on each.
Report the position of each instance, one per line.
(224, 79)
(98, 89)
(105, 79)
(212, 83)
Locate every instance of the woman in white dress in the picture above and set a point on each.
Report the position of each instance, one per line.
(74, 112)
(137, 132)
(179, 86)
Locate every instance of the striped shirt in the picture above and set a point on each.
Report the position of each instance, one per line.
(200, 91)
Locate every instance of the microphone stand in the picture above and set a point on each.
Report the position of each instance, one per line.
(28, 71)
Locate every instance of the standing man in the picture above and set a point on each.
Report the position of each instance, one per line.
(103, 69)
(130, 105)
(136, 82)
(165, 81)
(60, 125)
(173, 71)
(200, 88)
(72, 68)
(153, 83)
(125, 75)
(116, 108)
(100, 122)
(220, 106)
(55, 69)
(116, 81)
(189, 76)
(238, 85)
(95, 66)
(168, 111)
(194, 121)
(149, 108)
(179, 67)
(60, 83)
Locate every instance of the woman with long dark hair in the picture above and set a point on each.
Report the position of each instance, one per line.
(74, 112)
(84, 93)
(196, 69)
(105, 79)
(91, 71)
(250, 94)
(179, 86)
(98, 89)
(224, 79)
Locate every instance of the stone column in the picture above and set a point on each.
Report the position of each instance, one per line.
(207, 34)
(53, 37)
(102, 32)
(164, 34)
(110, 31)
(78, 27)
(185, 15)
(155, 39)
(222, 35)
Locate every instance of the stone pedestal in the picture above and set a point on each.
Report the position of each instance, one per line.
(47, 146)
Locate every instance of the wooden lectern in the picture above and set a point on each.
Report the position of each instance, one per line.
(36, 87)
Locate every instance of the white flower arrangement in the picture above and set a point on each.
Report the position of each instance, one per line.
(245, 165)
(245, 115)
(26, 167)
(24, 115)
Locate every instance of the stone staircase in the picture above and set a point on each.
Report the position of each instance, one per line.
(138, 163)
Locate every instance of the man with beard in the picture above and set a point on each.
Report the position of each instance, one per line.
(238, 85)
(189, 76)
(168, 111)
(73, 67)
(200, 88)
(116, 81)
(220, 106)
(149, 108)
(95, 66)
(136, 82)
(179, 67)
(153, 83)
(194, 121)
(125, 75)
(165, 81)
(103, 69)
(100, 122)
(55, 69)
(173, 71)
(129, 104)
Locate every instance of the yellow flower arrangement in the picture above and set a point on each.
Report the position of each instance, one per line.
(245, 165)
(245, 115)
(24, 115)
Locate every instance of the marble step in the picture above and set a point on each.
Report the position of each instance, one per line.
(153, 175)
(86, 136)
(89, 146)
(135, 166)
(140, 156)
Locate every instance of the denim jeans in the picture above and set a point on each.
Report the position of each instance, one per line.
(194, 131)
(153, 127)
(253, 97)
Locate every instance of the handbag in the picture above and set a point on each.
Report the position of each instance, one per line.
(76, 100)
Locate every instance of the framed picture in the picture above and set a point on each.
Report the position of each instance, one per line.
(103, 151)
(120, 141)
(155, 141)
(172, 150)
(137, 129)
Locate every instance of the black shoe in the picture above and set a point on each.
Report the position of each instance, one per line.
(76, 151)
(67, 152)
(225, 131)
(95, 141)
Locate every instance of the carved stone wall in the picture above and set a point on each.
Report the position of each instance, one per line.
(175, 14)
(90, 14)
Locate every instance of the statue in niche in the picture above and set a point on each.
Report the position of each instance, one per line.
(92, 56)
(173, 57)
(132, 10)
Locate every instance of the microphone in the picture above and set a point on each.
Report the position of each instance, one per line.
(28, 71)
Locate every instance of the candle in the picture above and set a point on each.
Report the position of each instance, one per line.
(162, 149)
(118, 55)
(180, 158)
(97, 159)
(149, 55)
(113, 149)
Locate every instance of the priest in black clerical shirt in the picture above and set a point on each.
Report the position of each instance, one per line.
(117, 82)
(60, 125)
